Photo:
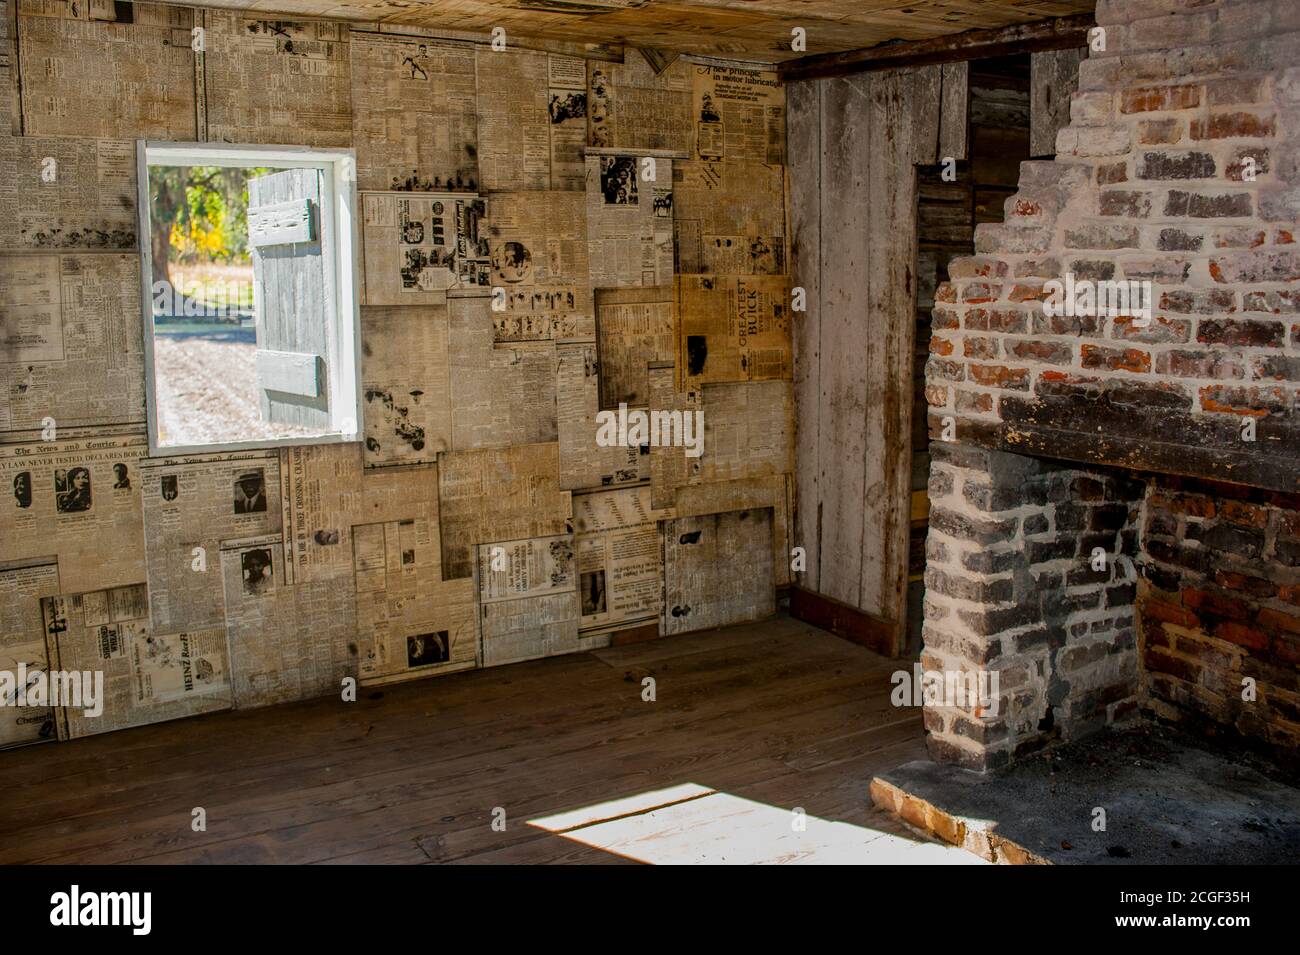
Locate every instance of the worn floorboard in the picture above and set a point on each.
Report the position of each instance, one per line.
(749, 724)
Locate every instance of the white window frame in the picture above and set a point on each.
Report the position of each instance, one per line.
(339, 221)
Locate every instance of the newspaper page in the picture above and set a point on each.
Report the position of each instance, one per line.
(739, 114)
(286, 642)
(107, 70)
(318, 494)
(584, 463)
(527, 592)
(417, 245)
(717, 570)
(90, 204)
(634, 328)
(566, 112)
(670, 468)
(8, 90)
(733, 328)
(748, 431)
(629, 220)
(620, 562)
(71, 341)
(532, 120)
(404, 378)
(729, 218)
(629, 107)
(410, 622)
(538, 245)
(191, 504)
(505, 494)
(77, 498)
(775, 491)
(326, 491)
(275, 81)
(22, 646)
(501, 394)
(150, 674)
(414, 113)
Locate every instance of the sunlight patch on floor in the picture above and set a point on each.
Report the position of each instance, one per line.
(692, 824)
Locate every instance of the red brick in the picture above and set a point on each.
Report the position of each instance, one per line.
(940, 346)
(1000, 376)
(1253, 402)
(978, 293)
(1168, 613)
(1241, 635)
(1151, 98)
(1229, 125)
(1280, 620)
(1220, 605)
(1116, 359)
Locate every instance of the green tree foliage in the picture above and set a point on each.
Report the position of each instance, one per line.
(198, 214)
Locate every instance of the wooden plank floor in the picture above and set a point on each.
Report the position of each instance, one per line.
(749, 724)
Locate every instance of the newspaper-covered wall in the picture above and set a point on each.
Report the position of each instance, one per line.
(191, 504)
(414, 113)
(717, 570)
(275, 81)
(532, 120)
(77, 498)
(585, 462)
(528, 594)
(620, 562)
(67, 194)
(417, 245)
(629, 107)
(149, 674)
(407, 411)
(629, 220)
(104, 70)
(271, 575)
(71, 343)
(507, 494)
(733, 328)
(22, 646)
(502, 394)
(634, 329)
(538, 245)
(739, 115)
(729, 218)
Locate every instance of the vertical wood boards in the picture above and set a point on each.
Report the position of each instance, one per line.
(804, 144)
(854, 142)
(291, 285)
(1053, 76)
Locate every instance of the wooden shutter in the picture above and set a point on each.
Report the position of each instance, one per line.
(291, 296)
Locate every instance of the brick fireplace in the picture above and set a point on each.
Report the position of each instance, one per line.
(1115, 523)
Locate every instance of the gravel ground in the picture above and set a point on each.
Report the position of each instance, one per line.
(207, 391)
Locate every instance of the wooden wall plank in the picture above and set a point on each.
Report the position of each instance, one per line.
(924, 89)
(1053, 76)
(804, 144)
(890, 276)
(954, 120)
(844, 296)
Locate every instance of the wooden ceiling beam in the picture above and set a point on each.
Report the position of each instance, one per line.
(1055, 34)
